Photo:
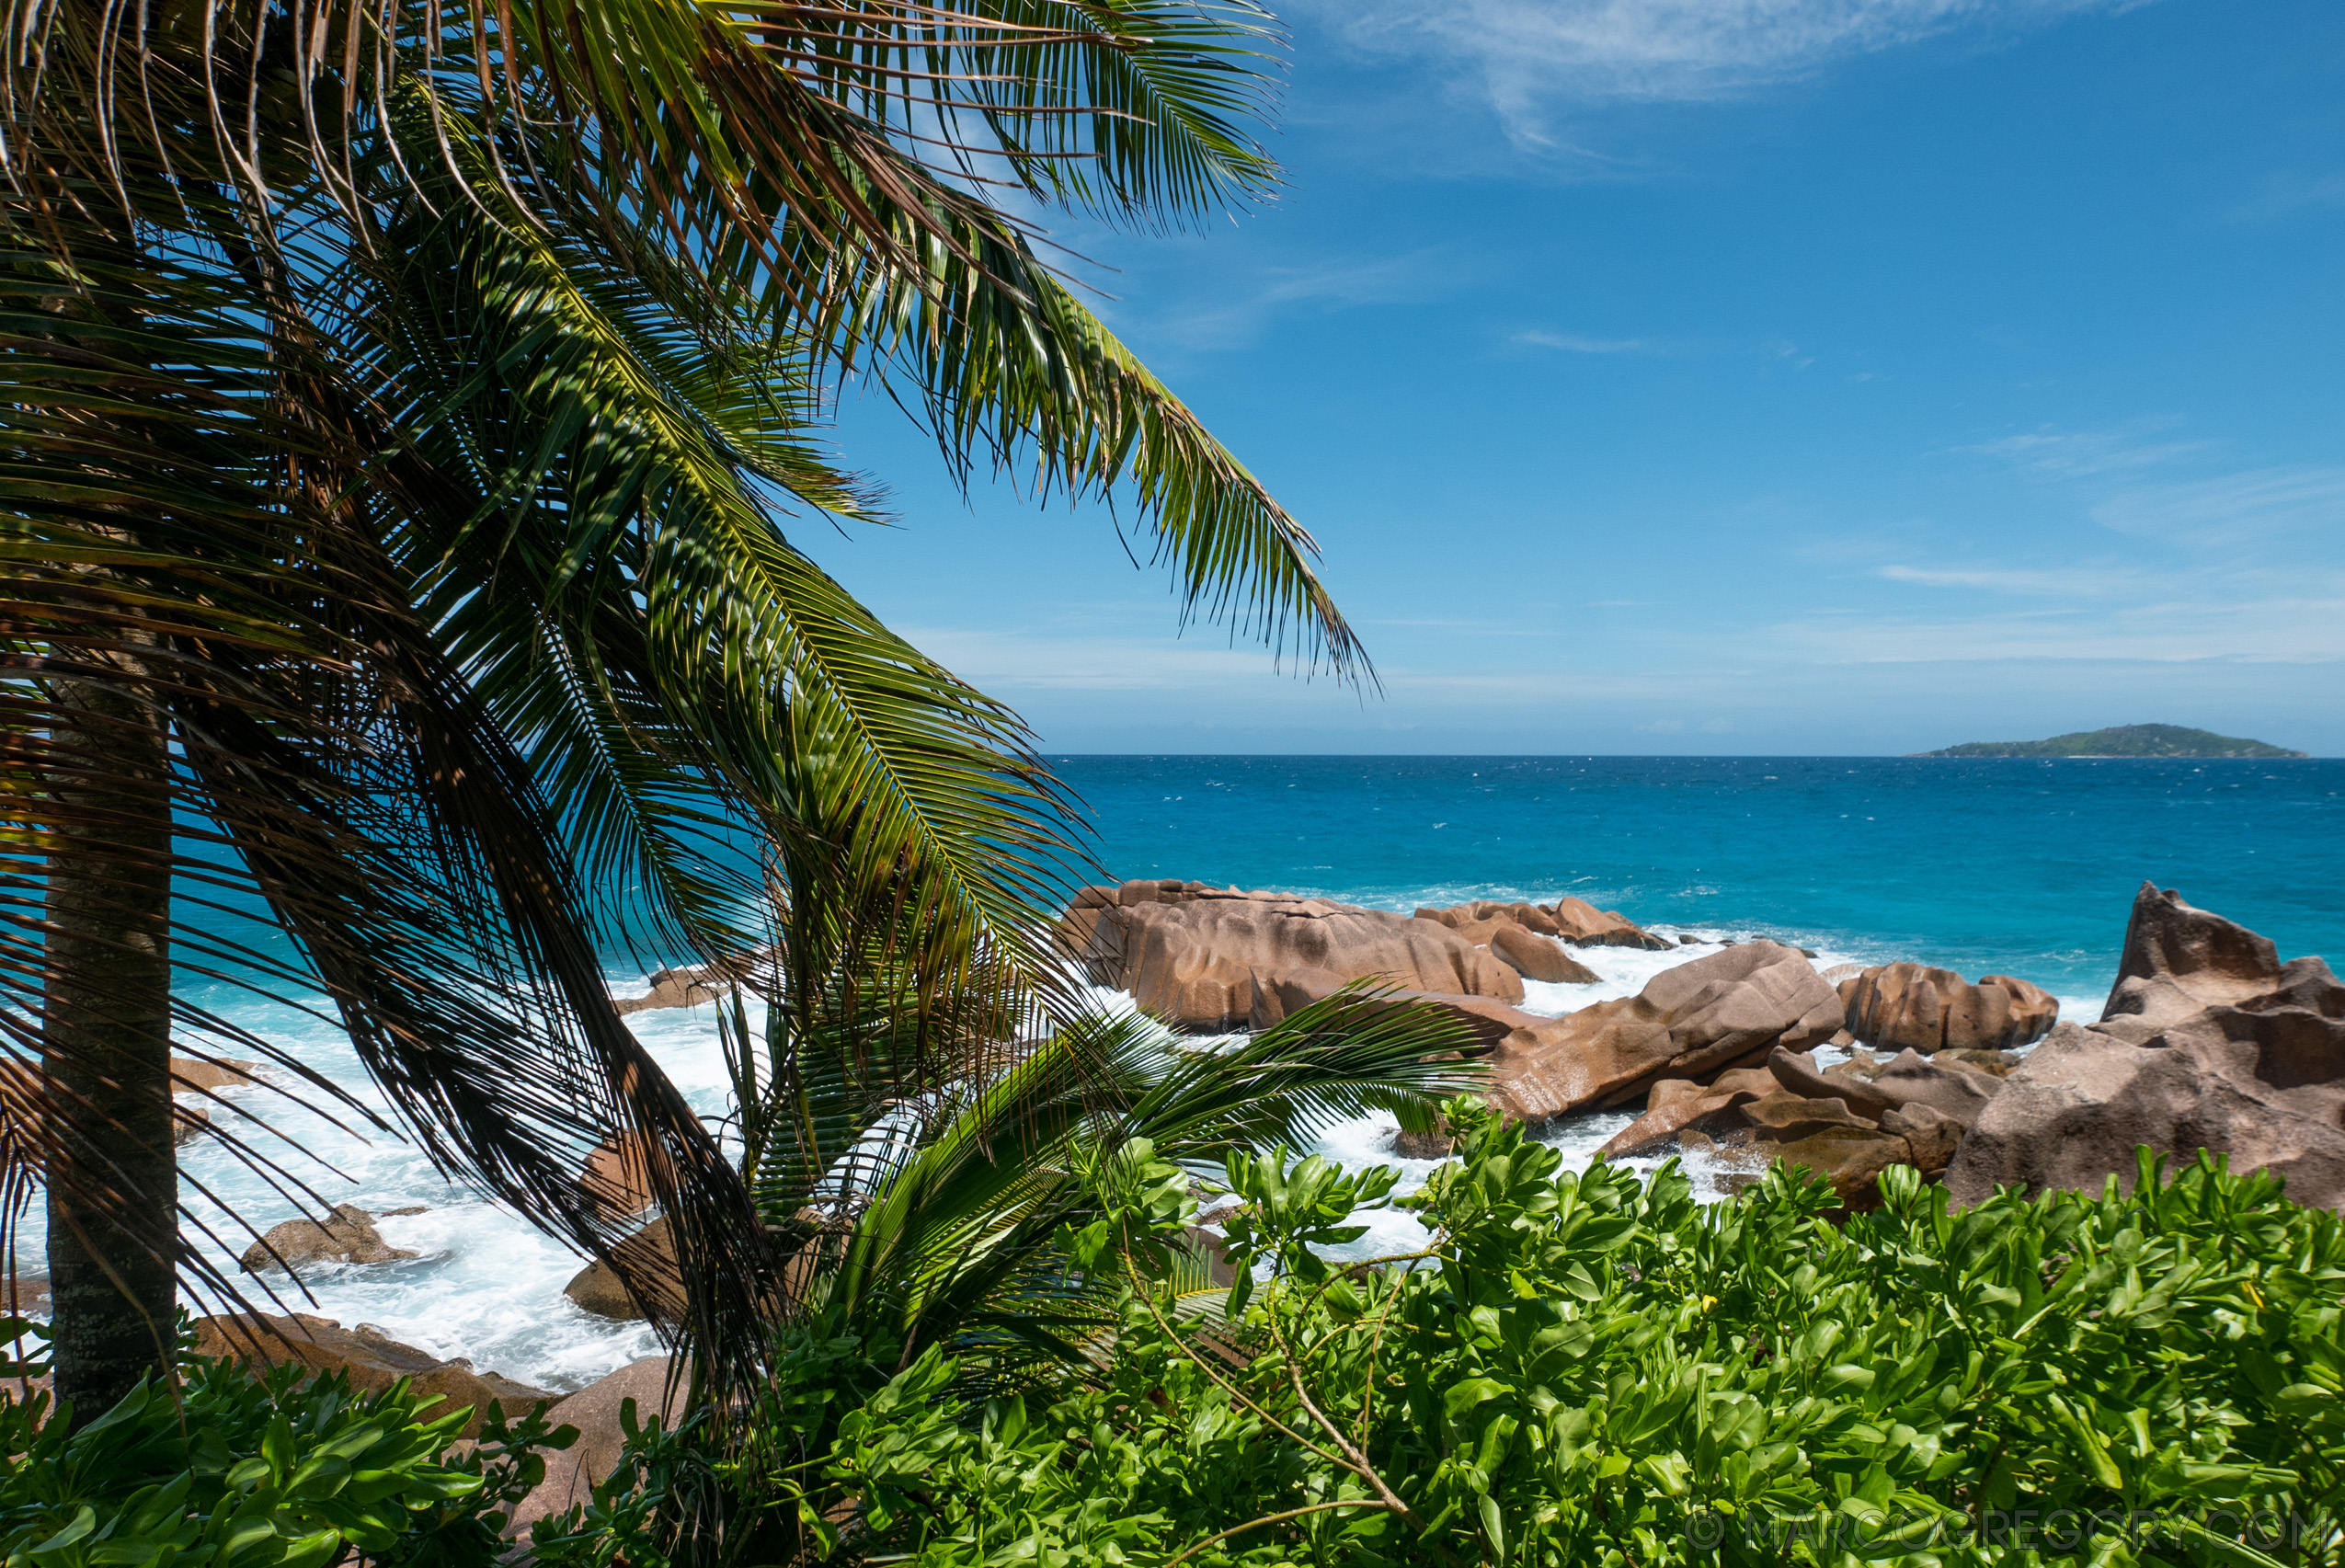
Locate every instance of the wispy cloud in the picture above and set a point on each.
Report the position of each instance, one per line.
(1572, 343)
(2284, 629)
(1330, 284)
(2280, 195)
(2052, 453)
(1534, 56)
(2118, 468)
(2231, 509)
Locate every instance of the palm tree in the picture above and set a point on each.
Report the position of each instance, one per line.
(406, 406)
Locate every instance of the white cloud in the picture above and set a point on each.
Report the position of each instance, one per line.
(2072, 583)
(1534, 55)
(2230, 509)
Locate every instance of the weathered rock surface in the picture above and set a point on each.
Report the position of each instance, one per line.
(2180, 958)
(1729, 1009)
(1677, 1106)
(688, 987)
(1208, 960)
(1488, 1019)
(1798, 1074)
(1487, 913)
(349, 1235)
(187, 1074)
(1957, 1092)
(2209, 1043)
(571, 1474)
(616, 1176)
(1523, 936)
(1537, 958)
(1787, 1118)
(1852, 1158)
(1900, 1007)
(373, 1360)
(1582, 923)
(650, 1253)
(1932, 1135)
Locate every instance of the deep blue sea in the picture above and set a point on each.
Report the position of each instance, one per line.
(1992, 865)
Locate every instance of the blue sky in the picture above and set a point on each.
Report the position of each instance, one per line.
(1757, 376)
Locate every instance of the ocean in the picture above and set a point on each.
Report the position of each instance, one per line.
(2023, 868)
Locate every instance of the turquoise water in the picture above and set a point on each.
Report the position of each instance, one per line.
(1989, 865)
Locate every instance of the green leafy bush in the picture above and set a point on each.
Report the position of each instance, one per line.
(273, 1471)
(1594, 1369)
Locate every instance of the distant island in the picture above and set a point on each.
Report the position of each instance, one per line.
(2124, 740)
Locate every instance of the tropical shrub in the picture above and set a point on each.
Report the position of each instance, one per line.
(1594, 1369)
(281, 1471)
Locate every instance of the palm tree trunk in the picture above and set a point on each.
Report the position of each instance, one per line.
(105, 1048)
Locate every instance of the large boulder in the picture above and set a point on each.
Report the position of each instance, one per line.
(1902, 1007)
(372, 1358)
(2209, 1043)
(595, 1410)
(1209, 960)
(689, 986)
(1729, 1009)
(2180, 958)
(349, 1235)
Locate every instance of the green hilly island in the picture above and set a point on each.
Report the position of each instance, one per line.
(2124, 740)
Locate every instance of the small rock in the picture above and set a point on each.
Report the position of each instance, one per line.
(598, 1288)
(1583, 925)
(1420, 1145)
(348, 1236)
(1851, 1159)
(189, 1074)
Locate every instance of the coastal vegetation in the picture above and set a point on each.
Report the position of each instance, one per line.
(1595, 1368)
(2124, 740)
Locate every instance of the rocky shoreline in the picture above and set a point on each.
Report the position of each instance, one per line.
(1750, 1057)
(1747, 1055)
